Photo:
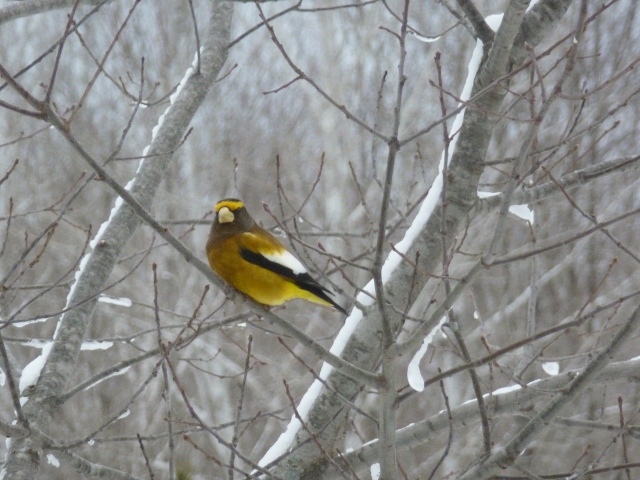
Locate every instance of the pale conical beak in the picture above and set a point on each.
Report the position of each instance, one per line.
(225, 215)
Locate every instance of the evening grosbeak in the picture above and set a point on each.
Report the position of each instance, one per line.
(254, 262)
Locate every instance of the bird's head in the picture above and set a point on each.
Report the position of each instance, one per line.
(232, 215)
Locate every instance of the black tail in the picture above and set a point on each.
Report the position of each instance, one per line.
(305, 282)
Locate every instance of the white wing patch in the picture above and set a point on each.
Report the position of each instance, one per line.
(286, 259)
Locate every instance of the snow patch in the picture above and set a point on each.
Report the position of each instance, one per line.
(425, 39)
(96, 345)
(494, 21)
(375, 471)
(24, 324)
(413, 371)
(83, 263)
(522, 211)
(31, 372)
(114, 374)
(487, 194)
(121, 301)
(551, 368)
(503, 390)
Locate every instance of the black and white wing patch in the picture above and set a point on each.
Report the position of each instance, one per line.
(285, 264)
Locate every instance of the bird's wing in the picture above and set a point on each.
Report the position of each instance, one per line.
(267, 252)
(276, 258)
(272, 262)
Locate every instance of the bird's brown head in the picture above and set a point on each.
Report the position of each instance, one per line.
(231, 218)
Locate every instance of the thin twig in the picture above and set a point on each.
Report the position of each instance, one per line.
(13, 388)
(450, 437)
(311, 82)
(165, 376)
(343, 399)
(211, 431)
(146, 458)
(593, 219)
(56, 63)
(236, 427)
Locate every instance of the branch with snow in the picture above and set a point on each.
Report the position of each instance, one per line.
(504, 401)
(422, 240)
(113, 235)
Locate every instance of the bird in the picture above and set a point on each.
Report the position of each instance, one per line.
(254, 262)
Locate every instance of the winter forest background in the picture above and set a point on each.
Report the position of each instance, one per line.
(124, 357)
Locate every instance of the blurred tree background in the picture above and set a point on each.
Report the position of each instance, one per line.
(133, 409)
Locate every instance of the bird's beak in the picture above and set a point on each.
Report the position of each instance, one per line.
(225, 215)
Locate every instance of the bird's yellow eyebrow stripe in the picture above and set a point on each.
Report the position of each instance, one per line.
(230, 204)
